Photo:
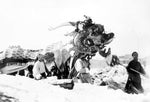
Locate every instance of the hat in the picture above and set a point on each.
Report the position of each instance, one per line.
(49, 56)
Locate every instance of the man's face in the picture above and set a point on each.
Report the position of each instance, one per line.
(135, 56)
(41, 57)
(49, 60)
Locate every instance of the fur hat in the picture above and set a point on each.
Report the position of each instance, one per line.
(49, 56)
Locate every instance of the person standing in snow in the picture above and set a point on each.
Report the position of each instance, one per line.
(134, 70)
(80, 69)
(39, 70)
(83, 70)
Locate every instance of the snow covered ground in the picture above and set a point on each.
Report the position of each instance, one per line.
(30, 90)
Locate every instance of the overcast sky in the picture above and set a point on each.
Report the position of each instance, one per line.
(26, 22)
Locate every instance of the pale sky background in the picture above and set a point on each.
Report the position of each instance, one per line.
(25, 22)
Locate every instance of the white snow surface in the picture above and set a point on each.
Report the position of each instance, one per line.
(30, 90)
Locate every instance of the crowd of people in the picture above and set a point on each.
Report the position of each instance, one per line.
(44, 66)
(77, 68)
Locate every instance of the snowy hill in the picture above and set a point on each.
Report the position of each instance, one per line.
(29, 90)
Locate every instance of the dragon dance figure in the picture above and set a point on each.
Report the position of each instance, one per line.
(89, 38)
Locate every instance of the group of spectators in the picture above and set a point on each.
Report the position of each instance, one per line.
(45, 66)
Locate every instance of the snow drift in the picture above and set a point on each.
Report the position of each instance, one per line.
(24, 89)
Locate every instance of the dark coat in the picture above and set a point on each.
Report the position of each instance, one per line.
(133, 84)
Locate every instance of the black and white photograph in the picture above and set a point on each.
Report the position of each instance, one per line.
(74, 51)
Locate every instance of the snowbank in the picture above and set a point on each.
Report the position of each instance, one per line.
(30, 90)
(115, 76)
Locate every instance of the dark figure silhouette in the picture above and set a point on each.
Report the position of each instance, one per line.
(30, 73)
(56, 72)
(134, 69)
(64, 68)
(21, 72)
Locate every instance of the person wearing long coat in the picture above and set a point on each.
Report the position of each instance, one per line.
(134, 70)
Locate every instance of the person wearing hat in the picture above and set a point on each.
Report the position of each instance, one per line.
(50, 64)
(134, 70)
(39, 70)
